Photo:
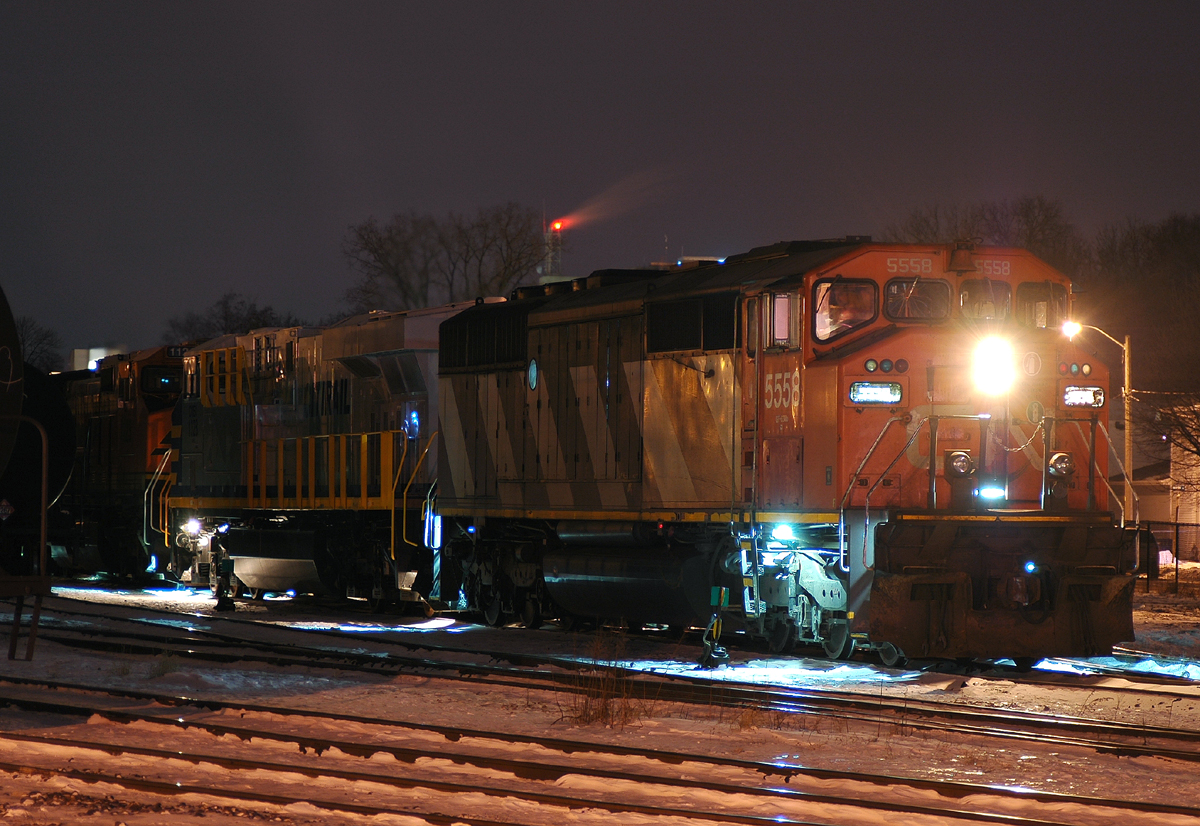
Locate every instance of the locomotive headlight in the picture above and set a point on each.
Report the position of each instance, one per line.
(192, 527)
(959, 463)
(783, 533)
(1061, 464)
(994, 368)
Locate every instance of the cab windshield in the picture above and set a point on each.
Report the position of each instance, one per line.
(983, 298)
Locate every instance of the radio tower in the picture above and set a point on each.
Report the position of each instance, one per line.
(552, 264)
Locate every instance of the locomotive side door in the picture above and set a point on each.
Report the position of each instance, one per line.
(781, 452)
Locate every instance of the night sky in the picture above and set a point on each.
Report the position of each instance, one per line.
(156, 155)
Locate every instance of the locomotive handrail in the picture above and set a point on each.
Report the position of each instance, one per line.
(411, 479)
(933, 422)
(146, 502)
(396, 484)
(164, 513)
(850, 486)
(1137, 502)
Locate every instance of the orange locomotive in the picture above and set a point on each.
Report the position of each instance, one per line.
(876, 445)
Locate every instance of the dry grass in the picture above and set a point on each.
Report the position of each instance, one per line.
(605, 695)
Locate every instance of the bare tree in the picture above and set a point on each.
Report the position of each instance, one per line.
(40, 346)
(416, 260)
(398, 261)
(1033, 222)
(938, 225)
(1147, 284)
(231, 313)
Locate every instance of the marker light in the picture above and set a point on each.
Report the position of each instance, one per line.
(994, 368)
(1031, 567)
(783, 533)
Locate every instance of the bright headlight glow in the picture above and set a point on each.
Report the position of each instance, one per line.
(192, 527)
(783, 533)
(994, 369)
(991, 492)
(1071, 328)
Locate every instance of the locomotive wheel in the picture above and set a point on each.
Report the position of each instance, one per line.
(838, 645)
(531, 614)
(493, 609)
(891, 656)
(782, 638)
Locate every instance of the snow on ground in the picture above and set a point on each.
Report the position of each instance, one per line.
(1165, 625)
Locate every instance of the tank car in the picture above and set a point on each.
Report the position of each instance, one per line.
(871, 445)
(305, 459)
(21, 482)
(31, 409)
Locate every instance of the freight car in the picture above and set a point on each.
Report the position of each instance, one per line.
(305, 460)
(875, 445)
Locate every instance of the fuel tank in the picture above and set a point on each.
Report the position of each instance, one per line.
(639, 585)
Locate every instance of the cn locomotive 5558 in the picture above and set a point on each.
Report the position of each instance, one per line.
(888, 446)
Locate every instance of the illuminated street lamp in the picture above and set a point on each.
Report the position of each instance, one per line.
(1070, 330)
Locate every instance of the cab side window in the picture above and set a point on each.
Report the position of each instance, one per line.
(840, 306)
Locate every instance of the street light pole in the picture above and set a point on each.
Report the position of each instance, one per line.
(1127, 394)
(1072, 329)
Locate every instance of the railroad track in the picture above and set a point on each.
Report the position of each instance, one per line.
(581, 677)
(236, 752)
